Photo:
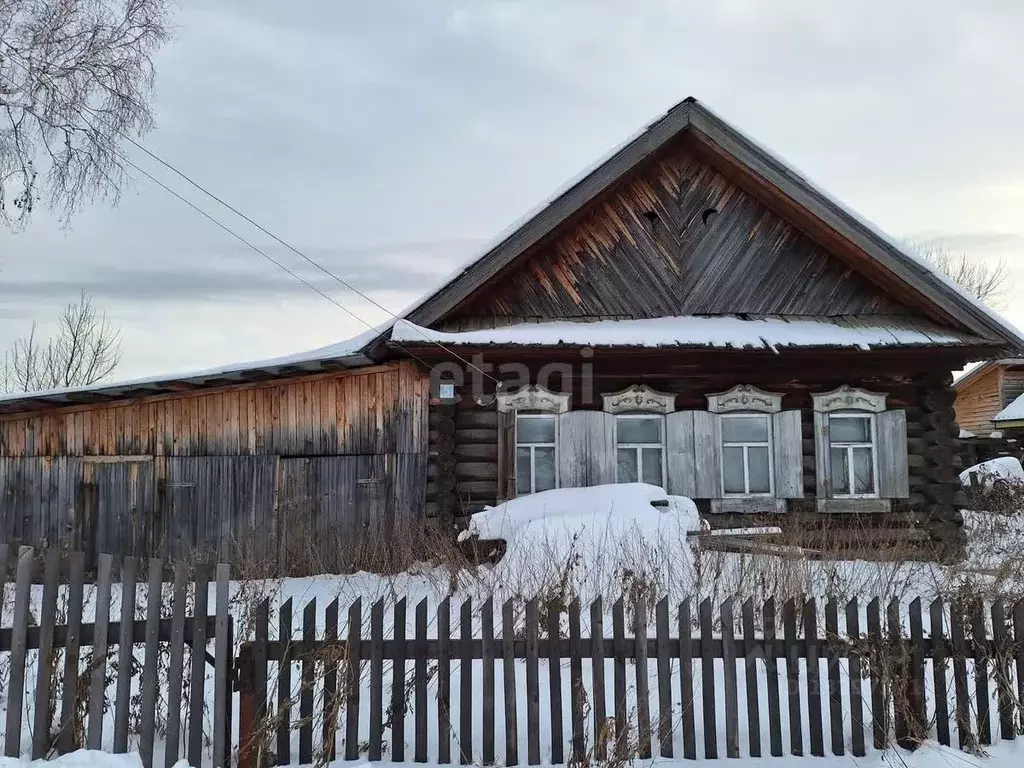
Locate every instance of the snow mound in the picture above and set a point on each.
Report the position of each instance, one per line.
(602, 535)
(1002, 468)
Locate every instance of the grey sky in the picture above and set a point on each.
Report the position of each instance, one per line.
(392, 139)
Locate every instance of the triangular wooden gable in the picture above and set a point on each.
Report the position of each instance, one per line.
(692, 217)
(677, 238)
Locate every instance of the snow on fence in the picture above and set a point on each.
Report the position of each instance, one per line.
(57, 699)
(853, 680)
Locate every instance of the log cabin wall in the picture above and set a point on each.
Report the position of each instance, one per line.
(209, 471)
(464, 472)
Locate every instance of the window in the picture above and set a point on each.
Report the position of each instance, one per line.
(860, 447)
(640, 448)
(852, 454)
(746, 454)
(528, 421)
(536, 437)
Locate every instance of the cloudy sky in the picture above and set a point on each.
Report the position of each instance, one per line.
(391, 140)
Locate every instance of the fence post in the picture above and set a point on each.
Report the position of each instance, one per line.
(245, 684)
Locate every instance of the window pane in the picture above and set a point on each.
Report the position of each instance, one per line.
(840, 471)
(757, 469)
(843, 429)
(863, 471)
(652, 466)
(535, 429)
(745, 429)
(544, 466)
(627, 471)
(645, 430)
(732, 470)
(522, 471)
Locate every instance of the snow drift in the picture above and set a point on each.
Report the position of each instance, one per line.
(605, 538)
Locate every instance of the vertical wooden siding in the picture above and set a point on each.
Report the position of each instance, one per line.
(373, 411)
(343, 454)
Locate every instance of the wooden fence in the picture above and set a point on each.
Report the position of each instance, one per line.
(880, 678)
(524, 683)
(124, 675)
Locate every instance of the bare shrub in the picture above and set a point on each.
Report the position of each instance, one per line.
(85, 348)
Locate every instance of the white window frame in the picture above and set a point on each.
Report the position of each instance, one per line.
(534, 446)
(767, 444)
(533, 401)
(638, 448)
(841, 401)
(640, 401)
(850, 446)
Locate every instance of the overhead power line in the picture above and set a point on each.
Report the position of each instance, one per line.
(21, 62)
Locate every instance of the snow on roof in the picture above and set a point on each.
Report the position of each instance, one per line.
(901, 248)
(342, 351)
(1013, 412)
(700, 331)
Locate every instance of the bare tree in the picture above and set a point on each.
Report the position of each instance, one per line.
(75, 79)
(986, 280)
(85, 349)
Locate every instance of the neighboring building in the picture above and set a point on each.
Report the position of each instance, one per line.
(691, 313)
(1010, 420)
(985, 391)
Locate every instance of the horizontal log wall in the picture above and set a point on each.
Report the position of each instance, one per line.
(927, 397)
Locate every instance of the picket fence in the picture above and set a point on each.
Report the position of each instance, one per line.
(897, 679)
(88, 687)
(700, 680)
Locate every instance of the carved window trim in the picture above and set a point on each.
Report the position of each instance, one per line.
(639, 398)
(847, 398)
(744, 397)
(533, 398)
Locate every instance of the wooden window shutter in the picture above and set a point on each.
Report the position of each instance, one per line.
(586, 449)
(706, 466)
(788, 450)
(822, 455)
(506, 455)
(891, 444)
(680, 458)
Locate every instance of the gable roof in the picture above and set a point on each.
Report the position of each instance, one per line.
(980, 370)
(764, 170)
(338, 356)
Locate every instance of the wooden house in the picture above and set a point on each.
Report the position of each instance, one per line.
(691, 313)
(984, 392)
